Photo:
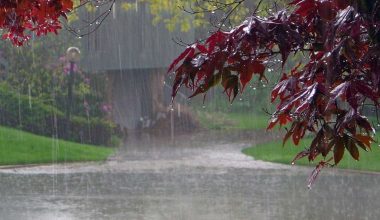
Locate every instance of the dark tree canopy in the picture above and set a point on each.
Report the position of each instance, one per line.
(324, 94)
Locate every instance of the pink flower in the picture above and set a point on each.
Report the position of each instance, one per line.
(67, 68)
(107, 108)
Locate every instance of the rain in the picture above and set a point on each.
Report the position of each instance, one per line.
(89, 129)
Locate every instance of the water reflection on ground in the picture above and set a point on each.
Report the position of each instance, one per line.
(203, 176)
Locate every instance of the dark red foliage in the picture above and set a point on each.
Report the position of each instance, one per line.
(324, 95)
(18, 17)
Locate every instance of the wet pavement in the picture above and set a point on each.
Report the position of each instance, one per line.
(201, 176)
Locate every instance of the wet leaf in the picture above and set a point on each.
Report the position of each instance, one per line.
(338, 150)
(365, 140)
(301, 155)
(188, 52)
(313, 176)
(351, 147)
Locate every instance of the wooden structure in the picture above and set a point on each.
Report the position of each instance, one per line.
(135, 55)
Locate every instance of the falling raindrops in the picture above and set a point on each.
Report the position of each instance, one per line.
(168, 167)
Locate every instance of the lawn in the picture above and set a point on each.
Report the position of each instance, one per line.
(275, 152)
(19, 147)
(242, 121)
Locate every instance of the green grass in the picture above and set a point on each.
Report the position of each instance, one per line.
(19, 148)
(241, 121)
(274, 152)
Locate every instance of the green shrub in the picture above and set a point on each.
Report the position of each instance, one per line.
(29, 114)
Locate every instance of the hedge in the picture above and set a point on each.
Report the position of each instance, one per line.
(29, 114)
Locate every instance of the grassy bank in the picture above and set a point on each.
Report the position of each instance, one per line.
(19, 147)
(274, 152)
(240, 121)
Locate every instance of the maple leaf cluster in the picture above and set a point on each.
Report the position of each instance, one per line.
(20, 17)
(323, 95)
